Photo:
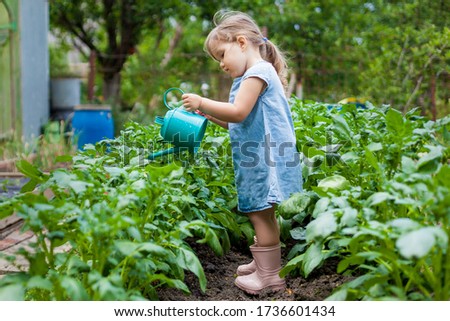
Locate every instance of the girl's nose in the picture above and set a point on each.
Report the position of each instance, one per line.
(222, 65)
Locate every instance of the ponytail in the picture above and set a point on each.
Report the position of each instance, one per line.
(272, 54)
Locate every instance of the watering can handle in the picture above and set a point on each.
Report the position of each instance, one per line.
(168, 91)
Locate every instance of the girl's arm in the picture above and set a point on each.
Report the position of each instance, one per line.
(221, 123)
(227, 112)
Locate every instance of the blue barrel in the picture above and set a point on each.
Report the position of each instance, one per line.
(92, 123)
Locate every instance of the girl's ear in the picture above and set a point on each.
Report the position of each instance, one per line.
(242, 41)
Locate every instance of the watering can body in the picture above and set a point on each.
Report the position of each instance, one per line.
(181, 128)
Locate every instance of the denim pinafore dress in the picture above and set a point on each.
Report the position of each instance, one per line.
(265, 158)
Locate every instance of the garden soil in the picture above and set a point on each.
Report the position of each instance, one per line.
(220, 272)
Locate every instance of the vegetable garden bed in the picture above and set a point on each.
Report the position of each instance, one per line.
(375, 209)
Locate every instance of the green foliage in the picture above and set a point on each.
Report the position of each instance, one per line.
(382, 208)
(117, 225)
(392, 52)
(59, 62)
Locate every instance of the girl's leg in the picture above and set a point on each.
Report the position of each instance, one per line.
(260, 219)
(266, 255)
(266, 227)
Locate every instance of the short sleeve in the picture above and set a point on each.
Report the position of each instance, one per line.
(261, 71)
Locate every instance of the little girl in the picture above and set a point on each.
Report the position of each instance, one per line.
(265, 158)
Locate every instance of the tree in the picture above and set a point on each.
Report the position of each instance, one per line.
(390, 51)
(112, 29)
(407, 55)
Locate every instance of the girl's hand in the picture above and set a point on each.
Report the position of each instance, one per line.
(191, 102)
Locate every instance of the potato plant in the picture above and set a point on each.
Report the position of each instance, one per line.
(124, 221)
(377, 196)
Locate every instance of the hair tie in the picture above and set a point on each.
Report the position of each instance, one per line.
(265, 39)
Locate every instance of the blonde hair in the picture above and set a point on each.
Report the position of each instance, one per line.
(231, 24)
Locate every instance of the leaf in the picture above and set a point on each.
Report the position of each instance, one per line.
(321, 206)
(39, 282)
(332, 148)
(375, 147)
(213, 242)
(313, 258)
(372, 160)
(75, 266)
(298, 233)
(350, 217)
(12, 292)
(338, 295)
(334, 183)
(296, 249)
(404, 224)
(394, 122)
(429, 163)
(30, 170)
(134, 233)
(79, 186)
(173, 283)
(346, 262)
(29, 186)
(332, 159)
(415, 244)
(408, 165)
(126, 247)
(291, 265)
(350, 157)
(294, 205)
(341, 126)
(115, 171)
(443, 176)
(190, 262)
(74, 288)
(6, 209)
(124, 201)
(321, 227)
(379, 197)
(138, 185)
(150, 247)
(440, 235)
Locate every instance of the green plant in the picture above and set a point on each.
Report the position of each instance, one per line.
(117, 225)
(41, 151)
(387, 169)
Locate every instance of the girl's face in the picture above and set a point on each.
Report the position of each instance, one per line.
(231, 57)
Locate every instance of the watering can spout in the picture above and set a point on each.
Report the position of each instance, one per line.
(163, 152)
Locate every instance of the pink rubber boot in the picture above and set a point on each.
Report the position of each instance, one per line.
(268, 266)
(249, 268)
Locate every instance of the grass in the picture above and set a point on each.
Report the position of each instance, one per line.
(41, 151)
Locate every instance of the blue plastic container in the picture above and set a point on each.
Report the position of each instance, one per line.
(92, 123)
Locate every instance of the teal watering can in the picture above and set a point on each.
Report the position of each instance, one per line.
(181, 128)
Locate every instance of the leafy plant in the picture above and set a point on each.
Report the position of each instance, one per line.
(390, 169)
(117, 225)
